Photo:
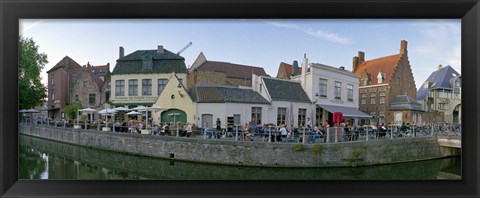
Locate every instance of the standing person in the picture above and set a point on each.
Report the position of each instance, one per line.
(283, 132)
(219, 125)
(188, 128)
(309, 124)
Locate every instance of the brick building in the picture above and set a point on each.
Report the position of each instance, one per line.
(59, 86)
(223, 73)
(87, 88)
(387, 89)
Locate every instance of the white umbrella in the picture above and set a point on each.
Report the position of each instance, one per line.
(122, 109)
(140, 108)
(133, 113)
(87, 110)
(107, 112)
(31, 111)
(22, 111)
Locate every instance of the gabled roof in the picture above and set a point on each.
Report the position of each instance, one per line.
(165, 62)
(404, 102)
(65, 62)
(94, 77)
(289, 69)
(209, 93)
(439, 79)
(285, 90)
(232, 70)
(385, 65)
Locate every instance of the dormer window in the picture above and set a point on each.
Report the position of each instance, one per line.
(147, 62)
(380, 77)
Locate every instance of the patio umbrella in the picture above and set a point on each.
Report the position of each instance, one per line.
(22, 111)
(133, 113)
(87, 110)
(107, 112)
(122, 109)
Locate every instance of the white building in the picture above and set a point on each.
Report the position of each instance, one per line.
(332, 90)
(289, 104)
(139, 78)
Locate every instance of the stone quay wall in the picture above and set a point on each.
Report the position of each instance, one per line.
(248, 153)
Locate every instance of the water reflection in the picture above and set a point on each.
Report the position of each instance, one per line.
(43, 159)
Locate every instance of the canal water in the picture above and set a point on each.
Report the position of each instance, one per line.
(45, 159)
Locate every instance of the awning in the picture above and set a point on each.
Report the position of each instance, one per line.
(347, 111)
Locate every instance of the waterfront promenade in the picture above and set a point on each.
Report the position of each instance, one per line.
(257, 152)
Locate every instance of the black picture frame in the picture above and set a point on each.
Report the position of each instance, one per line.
(11, 11)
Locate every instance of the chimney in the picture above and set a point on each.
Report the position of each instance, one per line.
(121, 52)
(342, 68)
(403, 47)
(358, 60)
(361, 57)
(295, 68)
(439, 67)
(355, 63)
(160, 49)
(304, 70)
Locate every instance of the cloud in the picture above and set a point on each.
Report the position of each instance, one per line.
(27, 25)
(329, 36)
(456, 59)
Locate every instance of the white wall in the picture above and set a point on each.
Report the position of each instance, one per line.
(273, 111)
(224, 110)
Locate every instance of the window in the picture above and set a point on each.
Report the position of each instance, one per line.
(102, 78)
(147, 87)
(382, 97)
(84, 84)
(364, 98)
(323, 87)
(281, 113)
(53, 96)
(338, 90)
(302, 113)
(350, 92)
(120, 87)
(133, 87)
(458, 83)
(91, 98)
(53, 81)
(257, 115)
(373, 98)
(161, 85)
(441, 106)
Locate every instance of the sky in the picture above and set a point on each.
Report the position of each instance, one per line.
(255, 42)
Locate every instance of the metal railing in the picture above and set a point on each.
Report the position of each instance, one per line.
(269, 134)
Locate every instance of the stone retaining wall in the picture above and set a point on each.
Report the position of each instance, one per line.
(248, 153)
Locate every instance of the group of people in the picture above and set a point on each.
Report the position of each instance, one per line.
(169, 128)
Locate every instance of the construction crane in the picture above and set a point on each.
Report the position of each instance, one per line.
(184, 48)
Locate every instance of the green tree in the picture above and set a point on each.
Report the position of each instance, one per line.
(31, 62)
(72, 110)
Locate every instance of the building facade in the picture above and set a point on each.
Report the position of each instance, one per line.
(289, 103)
(440, 96)
(331, 90)
(224, 73)
(381, 81)
(60, 79)
(140, 77)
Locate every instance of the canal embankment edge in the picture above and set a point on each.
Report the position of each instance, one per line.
(227, 152)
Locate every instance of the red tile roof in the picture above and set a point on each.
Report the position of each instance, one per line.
(385, 65)
(66, 61)
(289, 70)
(232, 70)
